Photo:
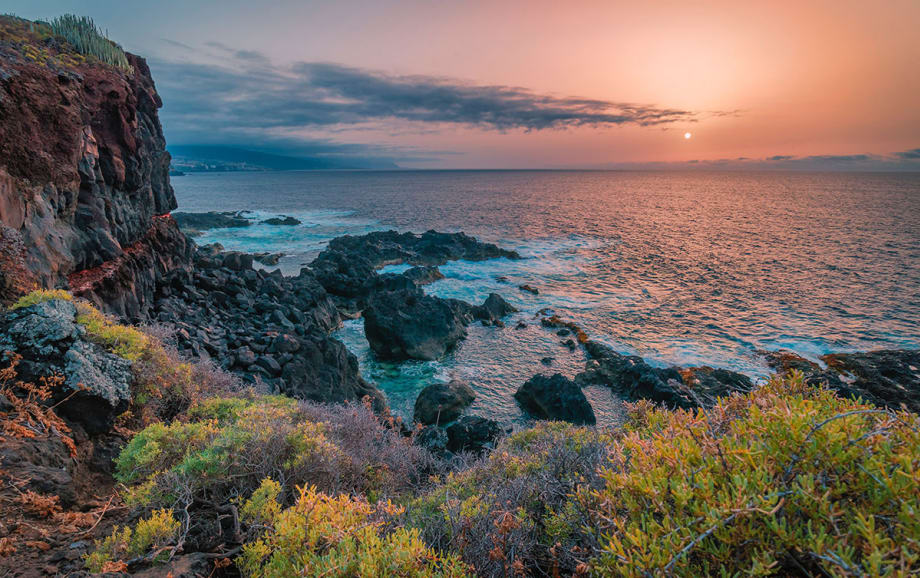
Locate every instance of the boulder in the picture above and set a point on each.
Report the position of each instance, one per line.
(472, 433)
(494, 308)
(441, 403)
(556, 397)
(409, 324)
(432, 438)
(285, 343)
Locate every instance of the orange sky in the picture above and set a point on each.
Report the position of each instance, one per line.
(807, 78)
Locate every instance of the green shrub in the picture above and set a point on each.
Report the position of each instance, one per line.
(515, 511)
(342, 536)
(81, 33)
(228, 445)
(785, 480)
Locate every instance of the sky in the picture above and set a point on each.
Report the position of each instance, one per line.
(533, 84)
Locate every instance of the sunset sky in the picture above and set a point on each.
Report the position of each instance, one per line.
(449, 83)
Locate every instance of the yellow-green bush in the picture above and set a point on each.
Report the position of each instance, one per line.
(149, 537)
(334, 536)
(785, 480)
(40, 296)
(122, 340)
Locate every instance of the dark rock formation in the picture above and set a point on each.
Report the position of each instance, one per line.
(126, 285)
(631, 377)
(556, 397)
(409, 324)
(347, 267)
(472, 433)
(281, 221)
(262, 326)
(423, 275)
(196, 223)
(494, 308)
(83, 174)
(886, 378)
(529, 289)
(96, 384)
(441, 403)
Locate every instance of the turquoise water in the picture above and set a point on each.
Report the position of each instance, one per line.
(681, 268)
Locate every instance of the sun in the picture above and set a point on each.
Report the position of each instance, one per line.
(687, 135)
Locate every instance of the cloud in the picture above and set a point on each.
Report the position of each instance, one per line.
(900, 161)
(912, 154)
(239, 94)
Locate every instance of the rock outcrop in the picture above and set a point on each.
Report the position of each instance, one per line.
(472, 433)
(263, 326)
(196, 223)
(347, 268)
(886, 378)
(83, 176)
(632, 378)
(556, 397)
(97, 384)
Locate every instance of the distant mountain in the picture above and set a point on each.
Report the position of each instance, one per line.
(208, 158)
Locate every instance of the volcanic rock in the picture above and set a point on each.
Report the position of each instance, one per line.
(409, 324)
(556, 397)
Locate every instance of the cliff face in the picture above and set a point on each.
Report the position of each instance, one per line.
(84, 185)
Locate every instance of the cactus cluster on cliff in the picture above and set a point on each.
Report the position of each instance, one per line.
(83, 34)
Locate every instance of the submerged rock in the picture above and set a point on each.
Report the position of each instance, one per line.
(441, 403)
(556, 397)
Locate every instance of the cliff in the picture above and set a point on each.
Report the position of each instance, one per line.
(84, 175)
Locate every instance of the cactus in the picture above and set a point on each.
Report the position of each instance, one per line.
(87, 39)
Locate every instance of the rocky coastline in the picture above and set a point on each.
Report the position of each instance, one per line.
(116, 325)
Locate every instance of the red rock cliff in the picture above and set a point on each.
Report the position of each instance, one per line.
(84, 175)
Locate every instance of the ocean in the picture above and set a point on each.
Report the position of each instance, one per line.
(691, 268)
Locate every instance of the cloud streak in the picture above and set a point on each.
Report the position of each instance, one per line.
(242, 95)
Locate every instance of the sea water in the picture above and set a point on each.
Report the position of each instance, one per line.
(696, 268)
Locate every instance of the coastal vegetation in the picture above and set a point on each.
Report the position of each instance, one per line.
(82, 41)
(786, 479)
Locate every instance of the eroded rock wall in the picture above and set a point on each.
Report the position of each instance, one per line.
(84, 180)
